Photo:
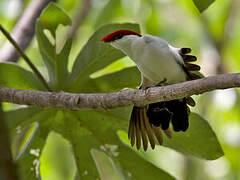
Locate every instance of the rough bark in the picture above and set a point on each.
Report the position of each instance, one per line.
(121, 98)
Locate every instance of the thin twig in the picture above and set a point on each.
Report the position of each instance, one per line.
(27, 60)
(121, 98)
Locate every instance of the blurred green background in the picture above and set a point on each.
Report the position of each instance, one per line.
(214, 37)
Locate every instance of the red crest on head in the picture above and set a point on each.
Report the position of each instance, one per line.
(120, 33)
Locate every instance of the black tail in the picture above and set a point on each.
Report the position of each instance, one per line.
(175, 111)
(180, 113)
(147, 122)
(159, 115)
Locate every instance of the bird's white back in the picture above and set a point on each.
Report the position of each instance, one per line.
(154, 57)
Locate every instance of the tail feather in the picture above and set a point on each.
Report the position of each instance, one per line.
(132, 129)
(158, 134)
(137, 132)
(159, 115)
(146, 123)
(148, 128)
(180, 113)
(168, 132)
(141, 131)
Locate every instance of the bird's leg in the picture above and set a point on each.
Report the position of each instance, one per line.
(158, 84)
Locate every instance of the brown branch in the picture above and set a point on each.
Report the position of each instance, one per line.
(79, 17)
(121, 98)
(23, 31)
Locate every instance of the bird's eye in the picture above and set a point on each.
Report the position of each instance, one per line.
(118, 36)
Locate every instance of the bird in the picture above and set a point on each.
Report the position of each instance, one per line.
(160, 64)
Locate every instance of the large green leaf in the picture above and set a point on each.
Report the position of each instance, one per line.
(56, 62)
(97, 130)
(199, 140)
(52, 16)
(18, 116)
(29, 162)
(22, 124)
(95, 54)
(23, 136)
(82, 141)
(56, 151)
(47, 51)
(62, 64)
(202, 4)
(128, 77)
(13, 76)
(21, 128)
(28, 152)
(106, 167)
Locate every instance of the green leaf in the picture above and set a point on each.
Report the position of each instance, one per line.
(28, 163)
(52, 16)
(21, 124)
(28, 160)
(18, 116)
(199, 140)
(47, 51)
(56, 62)
(13, 76)
(95, 54)
(82, 142)
(22, 138)
(88, 130)
(128, 77)
(105, 165)
(62, 64)
(56, 151)
(202, 4)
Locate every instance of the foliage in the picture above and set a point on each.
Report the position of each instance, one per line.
(98, 149)
(202, 5)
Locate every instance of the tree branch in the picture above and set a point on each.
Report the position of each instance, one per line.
(23, 31)
(79, 17)
(121, 98)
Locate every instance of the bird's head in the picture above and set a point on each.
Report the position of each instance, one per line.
(121, 38)
(117, 35)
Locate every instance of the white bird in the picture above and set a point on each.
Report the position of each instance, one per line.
(160, 64)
